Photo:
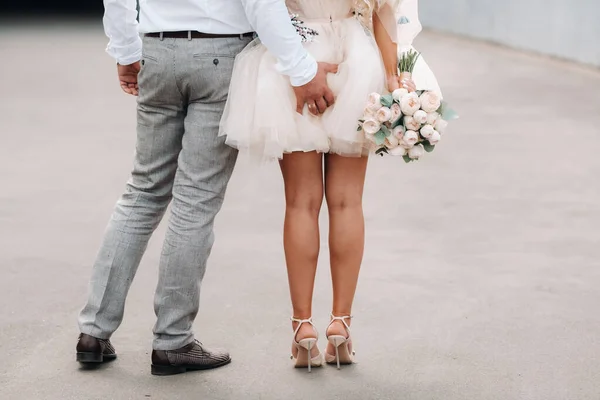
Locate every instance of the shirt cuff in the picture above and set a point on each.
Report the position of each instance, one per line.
(126, 55)
(304, 72)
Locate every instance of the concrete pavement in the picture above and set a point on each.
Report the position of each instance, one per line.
(482, 268)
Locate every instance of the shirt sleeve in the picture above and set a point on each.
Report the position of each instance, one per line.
(120, 25)
(271, 21)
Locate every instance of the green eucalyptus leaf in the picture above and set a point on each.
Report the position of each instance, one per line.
(386, 130)
(387, 100)
(398, 122)
(428, 146)
(449, 114)
(380, 138)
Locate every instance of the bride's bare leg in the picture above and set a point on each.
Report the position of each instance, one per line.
(303, 178)
(344, 183)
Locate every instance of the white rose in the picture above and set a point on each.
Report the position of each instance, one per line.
(416, 152)
(371, 126)
(391, 142)
(435, 138)
(398, 132)
(420, 116)
(396, 112)
(430, 101)
(398, 94)
(411, 124)
(409, 139)
(441, 126)
(383, 114)
(410, 103)
(427, 131)
(432, 118)
(398, 151)
(374, 101)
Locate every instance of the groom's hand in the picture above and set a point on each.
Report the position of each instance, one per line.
(316, 93)
(128, 77)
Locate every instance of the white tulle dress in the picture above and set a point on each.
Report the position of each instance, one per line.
(260, 117)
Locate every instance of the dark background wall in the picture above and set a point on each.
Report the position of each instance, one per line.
(53, 7)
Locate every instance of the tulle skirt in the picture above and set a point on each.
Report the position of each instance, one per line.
(260, 117)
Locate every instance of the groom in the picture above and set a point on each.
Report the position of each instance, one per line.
(181, 71)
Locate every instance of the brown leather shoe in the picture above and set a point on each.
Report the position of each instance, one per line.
(94, 350)
(192, 357)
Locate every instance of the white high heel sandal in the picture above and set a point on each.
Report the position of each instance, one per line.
(343, 355)
(304, 346)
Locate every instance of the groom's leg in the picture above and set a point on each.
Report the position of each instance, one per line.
(147, 196)
(205, 166)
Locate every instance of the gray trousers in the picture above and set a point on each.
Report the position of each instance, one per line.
(183, 86)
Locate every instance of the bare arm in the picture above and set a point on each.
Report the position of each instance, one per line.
(389, 51)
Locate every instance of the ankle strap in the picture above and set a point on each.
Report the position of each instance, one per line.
(343, 319)
(303, 321)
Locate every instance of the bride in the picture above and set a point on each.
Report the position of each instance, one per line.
(323, 156)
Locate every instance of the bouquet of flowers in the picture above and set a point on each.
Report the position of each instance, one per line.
(402, 123)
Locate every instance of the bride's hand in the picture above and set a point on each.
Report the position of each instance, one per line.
(407, 83)
(396, 82)
(393, 83)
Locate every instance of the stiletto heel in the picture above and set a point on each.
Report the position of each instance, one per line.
(341, 344)
(305, 346)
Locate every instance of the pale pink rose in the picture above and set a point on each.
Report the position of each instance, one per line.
(432, 118)
(430, 101)
(398, 132)
(398, 94)
(409, 139)
(371, 126)
(420, 116)
(396, 112)
(441, 126)
(383, 114)
(398, 151)
(435, 138)
(427, 131)
(374, 101)
(410, 103)
(411, 124)
(416, 152)
(391, 142)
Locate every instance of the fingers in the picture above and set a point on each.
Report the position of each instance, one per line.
(321, 105)
(313, 108)
(299, 104)
(329, 97)
(130, 88)
(409, 84)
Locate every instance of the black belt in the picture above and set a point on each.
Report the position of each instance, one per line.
(197, 35)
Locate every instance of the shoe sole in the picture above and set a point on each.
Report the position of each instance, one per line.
(166, 370)
(94, 358)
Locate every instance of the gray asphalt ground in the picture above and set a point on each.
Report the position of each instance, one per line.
(482, 269)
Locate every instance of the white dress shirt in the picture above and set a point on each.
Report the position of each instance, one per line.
(268, 18)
